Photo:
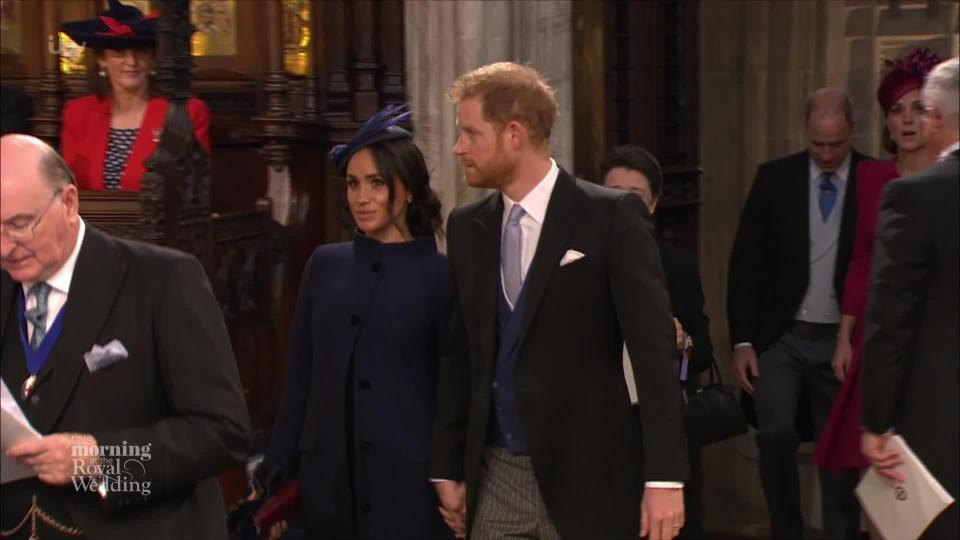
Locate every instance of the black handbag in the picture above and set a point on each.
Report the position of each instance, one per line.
(712, 411)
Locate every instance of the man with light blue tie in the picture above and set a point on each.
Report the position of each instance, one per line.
(117, 354)
(535, 436)
(786, 277)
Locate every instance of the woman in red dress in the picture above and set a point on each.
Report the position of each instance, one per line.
(108, 135)
(899, 95)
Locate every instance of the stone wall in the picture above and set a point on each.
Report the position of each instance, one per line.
(447, 39)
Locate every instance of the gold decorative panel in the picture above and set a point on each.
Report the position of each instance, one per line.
(216, 24)
(297, 37)
(71, 56)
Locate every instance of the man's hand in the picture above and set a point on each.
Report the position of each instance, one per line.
(681, 342)
(661, 513)
(277, 530)
(453, 505)
(841, 358)
(885, 461)
(744, 358)
(54, 459)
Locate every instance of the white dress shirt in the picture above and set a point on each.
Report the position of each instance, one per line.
(59, 284)
(841, 174)
(531, 223)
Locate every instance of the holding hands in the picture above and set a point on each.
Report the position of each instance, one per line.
(453, 505)
(661, 513)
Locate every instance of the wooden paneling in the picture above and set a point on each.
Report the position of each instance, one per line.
(262, 117)
(332, 25)
(589, 88)
(391, 45)
(251, 55)
(237, 184)
(649, 95)
(19, 68)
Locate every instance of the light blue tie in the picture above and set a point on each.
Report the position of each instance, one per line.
(510, 254)
(38, 314)
(828, 195)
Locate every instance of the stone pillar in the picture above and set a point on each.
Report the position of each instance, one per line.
(446, 39)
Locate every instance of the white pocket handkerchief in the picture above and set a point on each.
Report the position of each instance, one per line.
(570, 256)
(99, 357)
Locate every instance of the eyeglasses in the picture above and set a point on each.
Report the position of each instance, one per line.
(22, 234)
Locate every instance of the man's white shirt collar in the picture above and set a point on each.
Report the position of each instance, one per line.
(60, 281)
(536, 202)
(842, 172)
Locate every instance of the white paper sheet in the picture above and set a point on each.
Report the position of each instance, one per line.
(14, 427)
(906, 510)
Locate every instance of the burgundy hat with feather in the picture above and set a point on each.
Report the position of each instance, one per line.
(905, 75)
(119, 27)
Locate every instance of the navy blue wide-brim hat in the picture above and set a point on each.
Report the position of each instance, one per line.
(378, 128)
(119, 27)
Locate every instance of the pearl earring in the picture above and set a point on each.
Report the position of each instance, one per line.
(102, 73)
(153, 72)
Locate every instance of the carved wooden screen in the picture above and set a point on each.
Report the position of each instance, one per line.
(285, 81)
(651, 61)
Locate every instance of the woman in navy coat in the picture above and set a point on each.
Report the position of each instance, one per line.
(356, 421)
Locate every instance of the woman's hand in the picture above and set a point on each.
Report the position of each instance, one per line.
(842, 356)
(681, 341)
(277, 530)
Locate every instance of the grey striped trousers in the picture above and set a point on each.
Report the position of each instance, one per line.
(509, 504)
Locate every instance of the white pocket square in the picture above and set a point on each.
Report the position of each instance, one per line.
(570, 256)
(99, 357)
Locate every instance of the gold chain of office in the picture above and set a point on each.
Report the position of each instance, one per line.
(32, 515)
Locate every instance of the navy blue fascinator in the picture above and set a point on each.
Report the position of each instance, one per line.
(120, 27)
(379, 128)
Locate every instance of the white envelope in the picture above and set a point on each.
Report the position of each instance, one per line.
(906, 510)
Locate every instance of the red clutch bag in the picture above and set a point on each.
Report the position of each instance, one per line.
(283, 503)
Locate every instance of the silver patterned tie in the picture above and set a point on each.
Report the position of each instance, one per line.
(510, 254)
(38, 314)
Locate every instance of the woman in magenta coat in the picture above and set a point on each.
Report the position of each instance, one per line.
(899, 95)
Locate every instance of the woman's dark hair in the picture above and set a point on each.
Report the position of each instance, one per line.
(401, 160)
(635, 158)
(886, 140)
(101, 85)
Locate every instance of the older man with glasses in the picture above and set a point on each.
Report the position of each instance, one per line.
(118, 356)
(21, 230)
